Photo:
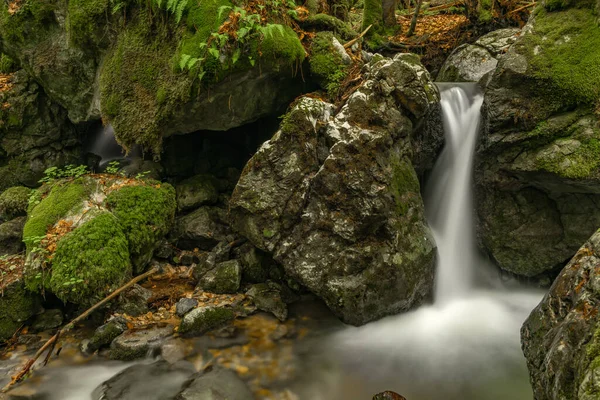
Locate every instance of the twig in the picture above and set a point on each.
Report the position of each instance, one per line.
(446, 6)
(52, 341)
(350, 43)
(522, 8)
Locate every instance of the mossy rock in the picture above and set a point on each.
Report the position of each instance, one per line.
(16, 306)
(326, 64)
(201, 320)
(90, 261)
(62, 197)
(14, 202)
(146, 214)
(224, 278)
(196, 191)
(7, 64)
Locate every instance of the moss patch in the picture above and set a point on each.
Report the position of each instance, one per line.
(16, 305)
(564, 53)
(29, 22)
(145, 214)
(90, 261)
(14, 202)
(63, 197)
(326, 63)
(83, 20)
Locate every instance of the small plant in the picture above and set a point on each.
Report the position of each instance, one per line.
(69, 171)
(142, 175)
(112, 168)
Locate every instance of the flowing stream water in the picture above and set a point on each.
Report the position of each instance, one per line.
(465, 346)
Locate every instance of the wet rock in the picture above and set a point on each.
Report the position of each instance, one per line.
(200, 190)
(202, 229)
(105, 334)
(561, 337)
(201, 320)
(138, 167)
(267, 297)
(473, 62)
(224, 278)
(255, 264)
(388, 395)
(216, 384)
(49, 319)
(29, 339)
(16, 304)
(138, 344)
(185, 305)
(11, 236)
(335, 199)
(164, 250)
(134, 301)
(173, 350)
(156, 381)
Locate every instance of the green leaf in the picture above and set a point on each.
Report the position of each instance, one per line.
(222, 9)
(214, 52)
(184, 61)
(180, 9)
(236, 56)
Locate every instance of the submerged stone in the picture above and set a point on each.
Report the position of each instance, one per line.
(131, 345)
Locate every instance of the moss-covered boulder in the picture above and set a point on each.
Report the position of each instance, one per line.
(334, 197)
(16, 303)
(85, 236)
(225, 277)
(537, 174)
(201, 320)
(14, 202)
(35, 133)
(561, 337)
(197, 191)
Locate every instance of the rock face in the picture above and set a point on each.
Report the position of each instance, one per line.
(561, 337)
(35, 133)
(538, 164)
(335, 198)
(473, 62)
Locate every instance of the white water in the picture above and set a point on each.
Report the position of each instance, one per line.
(466, 345)
(104, 144)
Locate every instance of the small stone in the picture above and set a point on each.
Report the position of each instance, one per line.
(184, 306)
(164, 250)
(49, 319)
(105, 334)
(224, 278)
(201, 320)
(388, 395)
(135, 301)
(188, 258)
(138, 344)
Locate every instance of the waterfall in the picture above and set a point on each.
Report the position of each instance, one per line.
(448, 194)
(466, 345)
(103, 143)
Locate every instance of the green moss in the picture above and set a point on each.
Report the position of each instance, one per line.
(202, 320)
(404, 184)
(90, 261)
(326, 63)
(139, 89)
(16, 306)
(331, 23)
(564, 55)
(63, 197)
(84, 17)
(281, 46)
(145, 214)
(14, 202)
(582, 163)
(552, 5)
(7, 64)
(29, 22)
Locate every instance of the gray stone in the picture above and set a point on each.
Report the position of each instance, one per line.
(202, 229)
(216, 384)
(131, 345)
(203, 319)
(49, 319)
(335, 199)
(156, 381)
(561, 337)
(11, 236)
(197, 191)
(185, 305)
(105, 334)
(255, 264)
(224, 278)
(267, 297)
(134, 301)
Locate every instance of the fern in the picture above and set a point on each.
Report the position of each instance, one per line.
(179, 10)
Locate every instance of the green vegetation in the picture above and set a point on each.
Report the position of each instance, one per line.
(7, 64)
(83, 20)
(63, 197)
(552, 5)
(14, 201)
(326, 63)
(404, 183)
(16, 306)
(564, 53)
(28, 23)
(583, 162)
(90, 261)
(145, 214)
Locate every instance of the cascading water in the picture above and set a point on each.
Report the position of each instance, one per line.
(466, 345)
(104, 144)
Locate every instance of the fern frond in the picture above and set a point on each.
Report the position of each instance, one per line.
(179, 10)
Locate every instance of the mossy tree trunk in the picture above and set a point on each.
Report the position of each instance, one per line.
(389, 12)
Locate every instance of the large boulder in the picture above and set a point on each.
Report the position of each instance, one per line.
(335, 198)
(85, 236)
(474, 62)
(538, 164)
(561, 337)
